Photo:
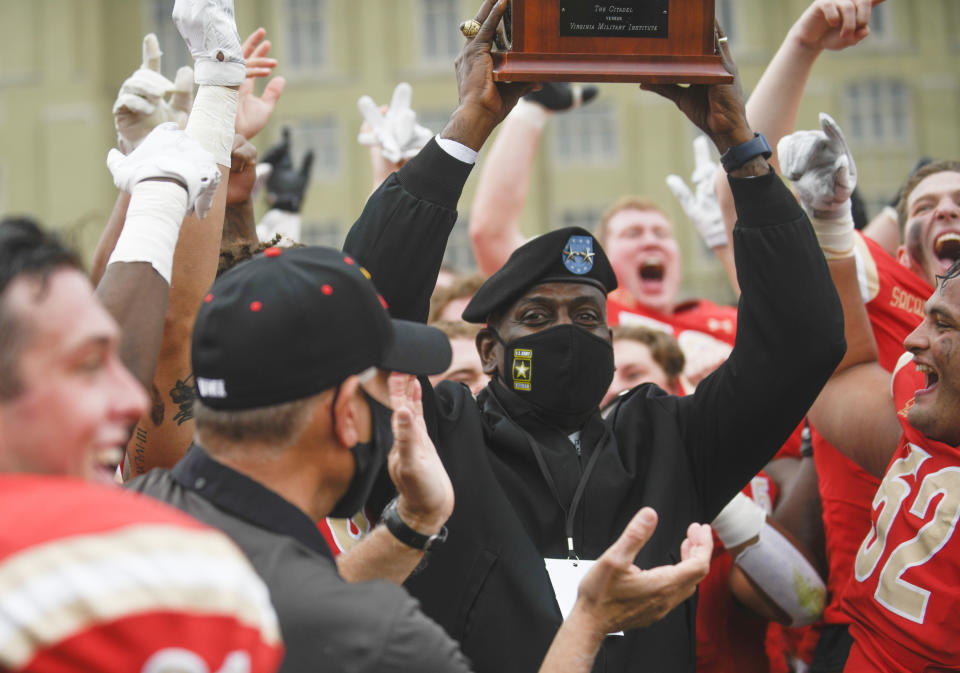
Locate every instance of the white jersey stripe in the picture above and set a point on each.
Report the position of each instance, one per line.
(51, 591)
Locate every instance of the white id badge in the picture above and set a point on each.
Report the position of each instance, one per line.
(565, 576)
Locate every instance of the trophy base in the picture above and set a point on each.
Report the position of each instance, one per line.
(509, 66)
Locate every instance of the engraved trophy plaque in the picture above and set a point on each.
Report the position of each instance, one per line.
(657, 41)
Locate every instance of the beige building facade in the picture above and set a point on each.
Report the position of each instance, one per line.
(897, 95)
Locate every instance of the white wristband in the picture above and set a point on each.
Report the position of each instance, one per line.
(835, 236)
(739, 521)
(785, 576)
(152, 226)
(533, 114)
(213, 119)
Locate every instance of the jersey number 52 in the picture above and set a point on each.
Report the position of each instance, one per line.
(893, 592)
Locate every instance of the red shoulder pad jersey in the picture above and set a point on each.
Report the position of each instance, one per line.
(730, 637)
(894, 298)
(902, 598)
(98, 579)
(700, 317)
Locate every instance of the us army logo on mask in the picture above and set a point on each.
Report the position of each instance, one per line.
(578, 254)
(522, 368)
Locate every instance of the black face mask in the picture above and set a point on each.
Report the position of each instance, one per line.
(562, 372)
(369, 457)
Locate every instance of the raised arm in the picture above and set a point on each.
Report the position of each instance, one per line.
(210, 32)
(166, 176)
(855, 410)
(775, 102)
(504, 181)
(402, 233)
(790, 329)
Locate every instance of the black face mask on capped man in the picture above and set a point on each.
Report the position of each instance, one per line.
(562, 372)
(369, 457)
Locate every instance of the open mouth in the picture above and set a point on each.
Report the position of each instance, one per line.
(104, 465)
(931, 377)
(947, 247)
(652, 269)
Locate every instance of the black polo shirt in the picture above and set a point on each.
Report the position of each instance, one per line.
(327, 624)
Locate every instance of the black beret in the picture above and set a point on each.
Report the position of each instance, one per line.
(568, 255)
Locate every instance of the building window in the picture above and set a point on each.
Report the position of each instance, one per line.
(727, 17)
(878, 112)
(175, 52)
(587, 217)
(322, 232)
(323, 137)
(306, 31)
(586, 135)
(441, 40)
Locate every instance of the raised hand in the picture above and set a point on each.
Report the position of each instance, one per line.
(169, 154)
(833, 24)
(210, 30)
(253, 112)
(618, 595)
(142, 102)
(701, 205)
(483, 102)
(426, 494)
(396, 131)
(286, 185)
(716, 109)
(821, 167)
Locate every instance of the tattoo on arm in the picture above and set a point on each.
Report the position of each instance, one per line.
(156, 406)
(140, 451)
(183, 396)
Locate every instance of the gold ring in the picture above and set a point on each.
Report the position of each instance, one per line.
(470, 28)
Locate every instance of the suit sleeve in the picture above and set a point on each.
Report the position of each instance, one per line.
(789, 341)
(402, 233)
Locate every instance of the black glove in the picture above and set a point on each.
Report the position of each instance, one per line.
(286, 186)
(560, 96)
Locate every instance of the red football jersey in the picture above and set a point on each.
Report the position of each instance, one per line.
(701, 317)
(894, 298)
(342, 534)
(730, 637)
(98, 579)
(903, 599)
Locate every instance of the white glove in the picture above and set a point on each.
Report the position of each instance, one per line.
(701, 206)
(823, 172)
(141, 102)
(821, 167)
(210, 31)
(169, 153)
(397, 132)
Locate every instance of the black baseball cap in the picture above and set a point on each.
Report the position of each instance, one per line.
(568, 255)
(294, 322)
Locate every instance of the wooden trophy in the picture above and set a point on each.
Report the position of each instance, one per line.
(656, 41)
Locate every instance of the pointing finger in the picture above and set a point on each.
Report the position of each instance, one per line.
(151, 52)
(402, 95)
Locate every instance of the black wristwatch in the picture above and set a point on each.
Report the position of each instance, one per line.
(738, 155)
(408, 536)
